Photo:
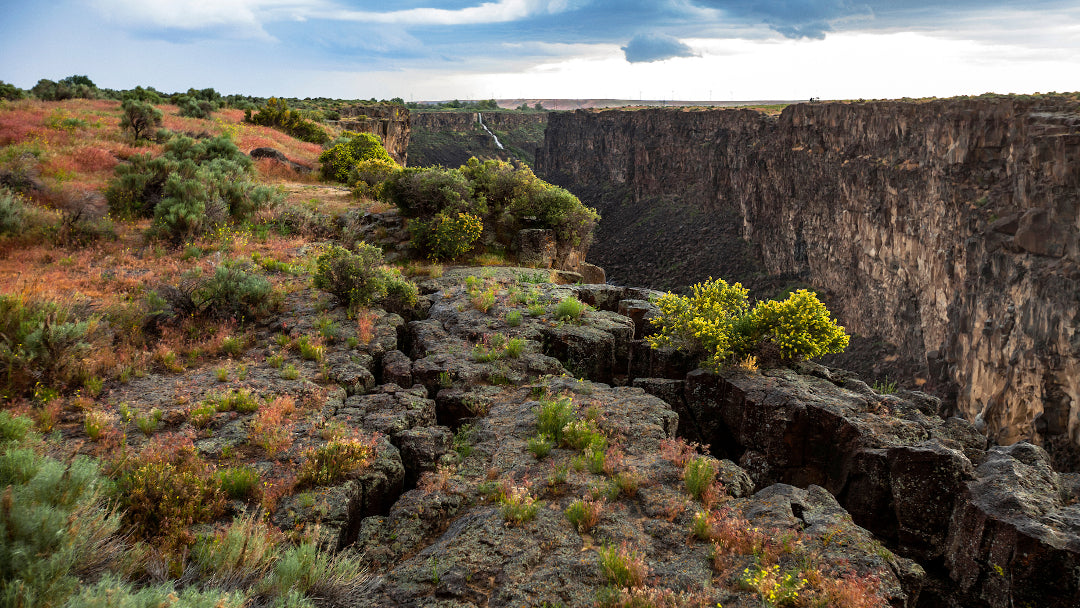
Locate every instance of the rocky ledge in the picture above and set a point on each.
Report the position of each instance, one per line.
(469, 498)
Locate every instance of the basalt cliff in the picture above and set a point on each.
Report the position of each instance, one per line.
(946, 231)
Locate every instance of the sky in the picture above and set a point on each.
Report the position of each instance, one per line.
(705, 50)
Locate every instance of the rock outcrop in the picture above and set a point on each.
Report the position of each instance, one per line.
(945, 228)
(997, 527)
(390, 122)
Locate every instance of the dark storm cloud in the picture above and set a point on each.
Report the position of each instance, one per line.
(655, 47)
(816, 18)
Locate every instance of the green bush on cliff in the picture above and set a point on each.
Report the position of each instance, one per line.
(717, 322)
(349, 151)
(506, 197)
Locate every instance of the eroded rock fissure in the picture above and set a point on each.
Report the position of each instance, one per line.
(991, 527)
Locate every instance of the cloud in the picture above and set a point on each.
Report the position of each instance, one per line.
(655, 47)
(816, 18)
(500, 11)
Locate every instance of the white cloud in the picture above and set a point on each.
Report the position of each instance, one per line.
(250, 15)
(501, 11)
(842, 66)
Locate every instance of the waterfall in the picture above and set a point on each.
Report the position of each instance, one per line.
(480, 119)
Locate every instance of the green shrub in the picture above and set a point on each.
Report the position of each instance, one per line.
(369, 174)
(581, 434)
(584, 514)
(483, 301)
(139, 117)
(717, 323)
(201, 416)
(310, 351)
(514, 347)
(336, 460)
(241, 555)
(423, 192)
(112, 592)
(148, 94)
(67, 88)
(401, 293)
(166, 491)
(10, 91)
(884, 387)
(517, 505)
(239, 483)
(569, 309)
(305, 569)
(43, 557)
(445, 237)
(12, 212)
(358, 279)
(235, 400)
(276, 114)
(234, 293)
(623, 567)
(149, 423)
(41, 344)
(14, 429)
(552, 416)
(507, 198)
(348, 150)
(540, 446)
(194, 108)
(698, 474)
(190, 187)
(512, 193)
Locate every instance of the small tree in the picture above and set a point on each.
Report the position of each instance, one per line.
(139, 116)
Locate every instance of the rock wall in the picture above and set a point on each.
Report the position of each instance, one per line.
(390, 122)
(947, 228)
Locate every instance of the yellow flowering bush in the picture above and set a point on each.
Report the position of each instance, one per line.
(800, 326)
(717, 322)
(774, 589)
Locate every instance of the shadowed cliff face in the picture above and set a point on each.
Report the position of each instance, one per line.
(949, 229)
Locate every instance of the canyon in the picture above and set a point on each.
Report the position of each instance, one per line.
(451, 138)
(943, 233)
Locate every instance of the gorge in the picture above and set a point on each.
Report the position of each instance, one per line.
(945, 231)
